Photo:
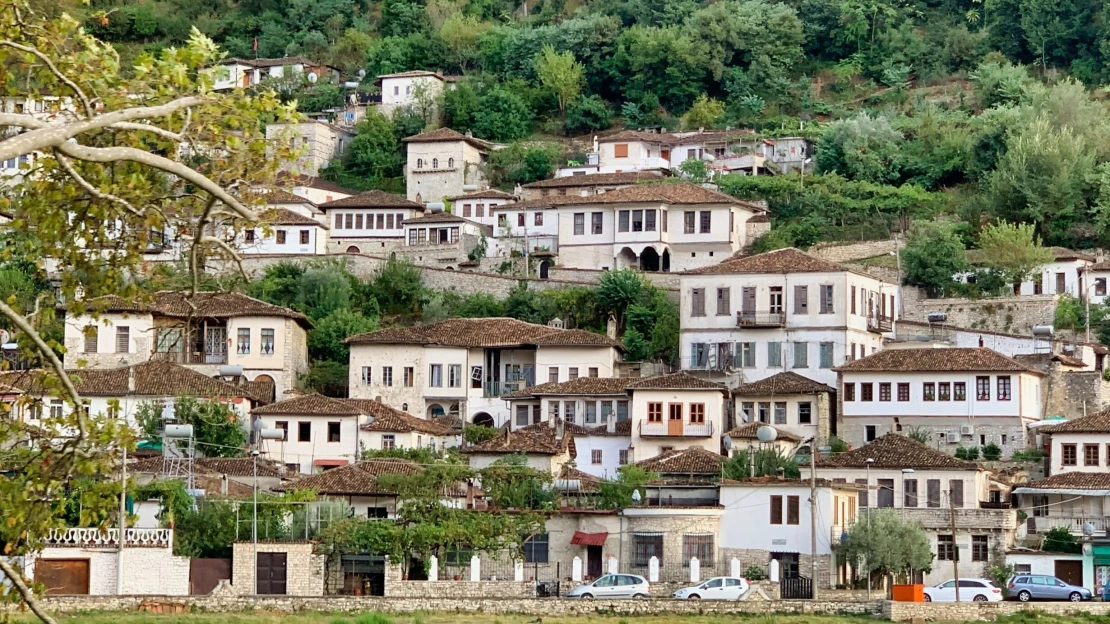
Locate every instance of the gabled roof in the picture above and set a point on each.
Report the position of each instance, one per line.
(1096, 482)
(680, 193)
(538, 439)
(320, 405)
(896, 451)
(272, 62)
(1099, 422)
(315, 182)
(230, 466)
(460, 332)
(483, 194)
(416, 73)
(359, 479)
(445, 135)
(962, 359)
(152, 379)
(693, 460)
(179, 304)
(747, 431)
(371, 199)
(787, 382)
(596, 179)
(284, 216)
(438, 217)
(779, 261)
(275, 196)
(583, 386)
(395, 421)
(1060, 254)
(587, 483)
(576, 338)
(675, 381)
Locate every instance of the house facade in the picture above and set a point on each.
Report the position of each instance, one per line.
(478, 205)
(958, 396)
(525, 228)
(238, 73)
(370, 222)
(314, 189)
(676, 412)
(443, 163)
(405, 89)
(284, 231)
(586, 184)
(784, 310)
(794, 404)
(204, 332)
(441, 239)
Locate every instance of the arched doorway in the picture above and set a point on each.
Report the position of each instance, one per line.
(649, 259)
(435, 410)
(665, 264)
(393, 255)
(483, 419)
(352, 249)
(626, 259)
(545, 268)
(265, 387)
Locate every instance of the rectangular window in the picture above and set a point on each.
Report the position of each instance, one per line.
(248, 235)
(780, 412)
(553, 410)
(1090, 454)
(697, 413)
(826, 299)
(536, 549)
(435, 375)
(338, 224)
(932, 493)
(1003, 387)
(389, 441)
(764, 412)
(410, 377)
(304, 237)
(620, 150)
(849, 392)
(123, 339)
(91, 332)
(909, 494)
(595, 457)
(959, 390)
(704, 221)
(929, 391)
(724, 307)
(243, 341)
(591, 413)
(982, 388)
(793, 509)
(747, 354)
(884, 391)
(454, 376)
(826, 354)
(864, 501)
(870, 432)
(944, 391)
(279, 236)
(801, 300)
(387, 376)
(637, 220)
(1100, 287)
(537, 218)
(885, 493)
(980, 550)
(903, 391)
(775, 301)
(774, 355)
(521, 415)
(592, 371)
(655, 412)
(956, 491)
(579, 223)
(622, 411)
(304, 431)
(552, 374)
(805, 413)
(466, 211)
(572, 373)
(596, 223)
(622, 457)
(776, 509)
(801, 354)
(568, 411)
(606, 411)
(649, 220)
(946, 548)
(697, 302)
(333, 432)
(358, 221)
(520, 219)
(622, 221)
(367, 375)
(644, 547)
(1069, 456)
(866, 391)
(688, 222)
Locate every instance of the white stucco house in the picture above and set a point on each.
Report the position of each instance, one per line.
(546, 446)
(959, 396)
(239, 73)
(443, 163)
(588, 184)
(315, 189)
(784, 310)
(204, 332)
(403, 89)
(283, 231)
(369, 222)
(798, 407)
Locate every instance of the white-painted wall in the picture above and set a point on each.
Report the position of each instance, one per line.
(610, 447)
(293, 451)
(401, 91)
(792, 423)
(1102, 441)
(646, 446)
(1025, 395)
(746, 523)
(266, 240)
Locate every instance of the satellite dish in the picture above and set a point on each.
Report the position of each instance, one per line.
(312, 77)
(5, 337)
(1088, 529)
(636, 498)
(727, 442)
(767, 433)
(362, 73)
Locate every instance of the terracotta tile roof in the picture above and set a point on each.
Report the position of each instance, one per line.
(596, 179)
(284, 216)
(747, 431)
(271, 62)
(583, 386)
(316, 405)
(788, 260)
(769, 481)
(275, 196)
(438, 217)
(230, 466)
(675, 381)
(693, 460)
(359, 479)
(896, 451)
(576, 338)
(664, 192)
(969, 359)
(1072, 481)
(399, 422)
(537, 439)
(460, 332)
(1043, 361)
(410, 74)
(151, 378)
(446, 134)
(1060, 254)
(787, 382)
(587, 483)
(176, 304)
(483, 194)
(371, 199)
(634, 135)
(678, 138)
(1099, 422)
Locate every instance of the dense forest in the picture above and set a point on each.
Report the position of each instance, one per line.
(970, 111)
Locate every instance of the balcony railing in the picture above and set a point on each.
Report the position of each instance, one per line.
(677, 430)
(760, 319)
(189, 357)
(95, 538)
(879, 323)
(501, 388)
(1044, 524)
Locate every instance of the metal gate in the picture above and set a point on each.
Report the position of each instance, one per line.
(270, 573)
(206, 574)
(796, 588)
(63, 576)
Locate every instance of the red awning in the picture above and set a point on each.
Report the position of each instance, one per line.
(330, 462)
(589, 539)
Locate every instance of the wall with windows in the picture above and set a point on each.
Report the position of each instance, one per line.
(257, 342)
(1080, 452)
(395, 373)
(675, 420)
(777, 517)
(804, 415)
(439, 169)
(547, 463)
(602, 455)
(118, 339)
(672, 534)
(311, 438)
(370, 223)
(921, 489)
(572, 362)
(284, 239)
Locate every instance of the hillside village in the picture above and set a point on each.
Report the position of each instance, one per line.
(237, 376)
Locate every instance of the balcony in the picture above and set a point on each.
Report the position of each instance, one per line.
(491, 389)
(189, 357)
(675, 429)
(1044, 524)
(966, 519)
(879, 324)
(109, 538)
(760, 319)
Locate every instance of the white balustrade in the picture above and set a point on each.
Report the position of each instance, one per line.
(109, 538)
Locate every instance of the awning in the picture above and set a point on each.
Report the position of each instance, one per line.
(589, 539)
(330, 463)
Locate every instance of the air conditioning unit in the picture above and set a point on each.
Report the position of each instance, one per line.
(967, 430)
(953, 437)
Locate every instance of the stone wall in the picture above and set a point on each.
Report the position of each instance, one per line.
(984, 611)
(845, 252)
(1002, 314)
(172, 577)
(762, 558)
(304, 567)
(1074, 394)
(460, 589)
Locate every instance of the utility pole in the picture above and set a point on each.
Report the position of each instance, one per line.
(122, 522)
(955, 547)
(813, 515)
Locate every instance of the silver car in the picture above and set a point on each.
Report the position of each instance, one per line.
(613, 586)
(1027, 587)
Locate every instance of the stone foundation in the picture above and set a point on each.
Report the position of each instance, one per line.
(460, 589)
(984, 611)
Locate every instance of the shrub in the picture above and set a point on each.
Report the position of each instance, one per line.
(754, 573)
(1060, 540)
(992, 452)
(967, 453)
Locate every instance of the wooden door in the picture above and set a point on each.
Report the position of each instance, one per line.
(674, 420)
(63, 577)
(1070, 572)
(271, 574)
(206, 574)
(593, 562)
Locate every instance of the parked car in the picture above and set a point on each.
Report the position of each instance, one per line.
(971, 590)
(613, 586)
(1026, 587)
(718, 588)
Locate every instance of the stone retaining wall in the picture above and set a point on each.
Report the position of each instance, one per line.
(461, 589)
(845, 252)
(983, 611)
(530, 607)
(1012, 315)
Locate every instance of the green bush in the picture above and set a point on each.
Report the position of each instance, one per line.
(968, 453)
(754, 573)
(992, 452)
(1060, 540)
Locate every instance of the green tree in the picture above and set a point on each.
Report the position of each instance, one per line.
(561, 74)
(887, 545)
(521, 163)
(862, 148)
(1060, 539)
(217, 430)
(373, 158)
(325, 341)
(398, 287)
(617, 493)
(933, 255)
(618, 290)
(461, 33)
(588, 114)
(761, 40)
(705, 113)
(502, 115)
(766, 462)
(668, 64)
(1013, 250)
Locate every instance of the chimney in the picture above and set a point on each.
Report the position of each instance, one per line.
(611, 327)
(560, 429)
(469, 134)
(611, 426)
(130, 379)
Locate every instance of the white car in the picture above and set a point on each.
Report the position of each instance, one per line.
(718, 588)
(613, 586)
(971, 590)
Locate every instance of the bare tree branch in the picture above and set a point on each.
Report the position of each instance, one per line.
(54, 69)
(25, 592)
(92, 190)
(142, 127)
